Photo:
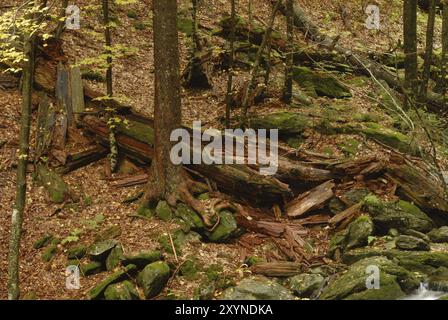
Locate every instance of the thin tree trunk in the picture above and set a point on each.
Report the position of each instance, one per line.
(19, 206)
(268, 67)
(410, 45)
(444, 62)
(254, 73)
(287, 93)
(195, 26)
(61, 23)
(231, 64)
(113, 156)
(429, 50)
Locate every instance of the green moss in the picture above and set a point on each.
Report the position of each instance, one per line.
(57, 189)
(253, 260)
(50, 251)
(77, 252)
(42, 242)
(288, 123)
(132, 14)
(114, 258)
(204, 196)
(121, 291)
(189, 216)
(91, 268)
(213, 272)
(185, 25)
(321, 83)
(350, 146)
(188, 269)
(142, 259)
(163, 211)
(153, 278)
(92, 75)
(137, 130)
(98, 291)
(226, 228)
(139, 25)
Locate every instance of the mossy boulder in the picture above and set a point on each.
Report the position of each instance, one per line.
(58, 190)
(288, 123)
(97, 292)
(114, 258)
(358, 232)
(390, 137)
(153, 278)
(188, 269)
(141, 259)
(121, 291)
(91, 268)
(305, 285)
(99, 251)
(77, 252)
(395, 282)
(43, 241)
(257, 288)
(226, 228)
(163, 211)
(179, 238)
(322, 83)
(425, 262)
(189, 216)
(412, 243)
(51, 250)
(439, 235)
(438, 280)
(400, 215)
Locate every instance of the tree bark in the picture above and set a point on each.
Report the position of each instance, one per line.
(287, 93)
(19, 206)
(61, 23)
(231, 64)
(444, 62)
(410, 45)
(429, 50)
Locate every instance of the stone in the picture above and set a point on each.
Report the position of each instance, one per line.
(395, 282)
(43, 241)
(100, 250)
(189, 216)
(226, 228)
(287, 123)
(401, 215)
(51, 250)
(121, 291)
(91, 268)
(77, 252)
(257, 288)
(141, 259)
(188, 269)
(163, 211)
(305, 285)
(322, 83)
(109, 232)
(439, 235)
(114, 258)
(97, 292)
(153, 278)
(438, 280)
(404, 242)
(358, 232)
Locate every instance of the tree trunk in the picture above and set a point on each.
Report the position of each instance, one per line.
(444, 63)
(429, 49)
(19, 206)
(254, 73)
(410, 45)
(287, 93)
(231, 63)
(61, 23)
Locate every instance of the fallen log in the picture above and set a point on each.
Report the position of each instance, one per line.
(277, 269)
(81, 159)
(310, 200)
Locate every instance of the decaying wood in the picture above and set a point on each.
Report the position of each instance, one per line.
(8, 81)
(310, 200)
(277, 269)
(45, 124)
(81, 159)
(346, 214)
(131, 181)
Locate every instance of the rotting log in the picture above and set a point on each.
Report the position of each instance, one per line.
(277, 269)
(83, 158)
(310, 200)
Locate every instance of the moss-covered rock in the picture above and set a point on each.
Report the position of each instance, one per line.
(225, 229)
(163, 211)
(305, 285)
(321, 83)
(395, 282)
(257, 288)
(51, 250)
(100, 250)
(43, 241)
(188, 269)
(405, 242)
(439, 235)
(153, 278)
(358, 232)
(401, 215)
(189, 216)
(97, 292)
(91, 268)
(121, 291)
(141, 259)
(288, 123)
(114, 258)
(206, 291)
(77, 252)
(390, 137)
(109, 232)
(438, 280)
(58, 190)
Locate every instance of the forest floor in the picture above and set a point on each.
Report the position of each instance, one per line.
(101, 203)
